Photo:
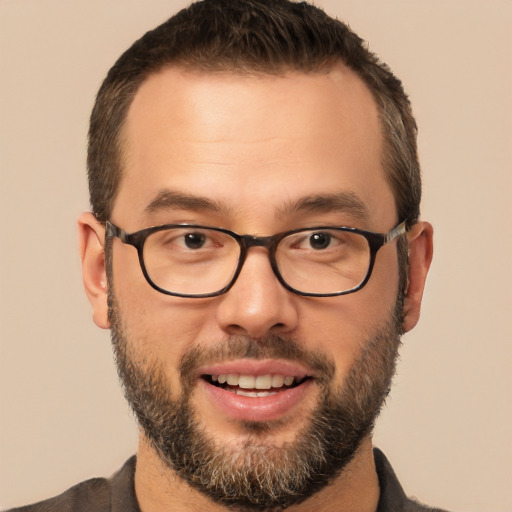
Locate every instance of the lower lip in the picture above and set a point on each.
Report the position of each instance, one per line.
(266, 408)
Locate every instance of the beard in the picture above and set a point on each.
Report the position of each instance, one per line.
(257, 475)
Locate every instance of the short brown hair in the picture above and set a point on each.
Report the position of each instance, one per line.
(251, 36)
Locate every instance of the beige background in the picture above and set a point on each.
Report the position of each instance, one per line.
(447, 425)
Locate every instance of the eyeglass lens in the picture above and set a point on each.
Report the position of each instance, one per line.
(196, 261)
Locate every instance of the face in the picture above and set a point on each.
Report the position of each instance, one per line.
(255, 155)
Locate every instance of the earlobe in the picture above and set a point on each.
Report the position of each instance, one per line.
(91, 234)
(420, 241)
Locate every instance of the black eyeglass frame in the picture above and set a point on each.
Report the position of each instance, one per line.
(138, 238)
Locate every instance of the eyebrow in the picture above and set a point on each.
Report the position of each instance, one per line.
(343, 202)
(173, 200)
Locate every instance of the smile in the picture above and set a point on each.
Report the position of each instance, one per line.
(252, 390)
(255, 386)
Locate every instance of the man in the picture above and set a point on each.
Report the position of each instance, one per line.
(256, 251)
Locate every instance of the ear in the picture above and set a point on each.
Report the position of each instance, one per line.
(91, 235)
(420, 241)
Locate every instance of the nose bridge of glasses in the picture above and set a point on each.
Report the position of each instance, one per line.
(258, 241)
(267, 242)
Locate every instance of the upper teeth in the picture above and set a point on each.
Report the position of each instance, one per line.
(254, 382)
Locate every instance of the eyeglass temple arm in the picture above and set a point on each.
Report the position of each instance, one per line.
(396, 232)
(111, 230)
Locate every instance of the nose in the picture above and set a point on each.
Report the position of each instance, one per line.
(257, 304)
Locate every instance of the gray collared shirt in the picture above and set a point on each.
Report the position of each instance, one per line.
(117, 493)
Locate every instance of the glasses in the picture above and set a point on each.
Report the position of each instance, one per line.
(197, 261)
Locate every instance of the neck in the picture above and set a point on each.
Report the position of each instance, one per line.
(159, 489)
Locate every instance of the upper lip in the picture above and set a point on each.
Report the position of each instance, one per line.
(256, 368)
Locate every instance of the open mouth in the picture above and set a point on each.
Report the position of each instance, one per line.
(254, 385)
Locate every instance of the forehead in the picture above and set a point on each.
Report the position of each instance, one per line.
(243, 140)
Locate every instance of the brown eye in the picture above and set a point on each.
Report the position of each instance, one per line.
(194, 240)
(320, 240)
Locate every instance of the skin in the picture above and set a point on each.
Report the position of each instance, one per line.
(254, 145)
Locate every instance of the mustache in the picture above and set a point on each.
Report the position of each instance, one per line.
(244, 347)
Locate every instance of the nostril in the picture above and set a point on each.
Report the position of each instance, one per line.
(256, 330)
(235, 330)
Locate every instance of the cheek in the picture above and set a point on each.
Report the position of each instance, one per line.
(340, 327)
(157, 328)
(382, 289)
